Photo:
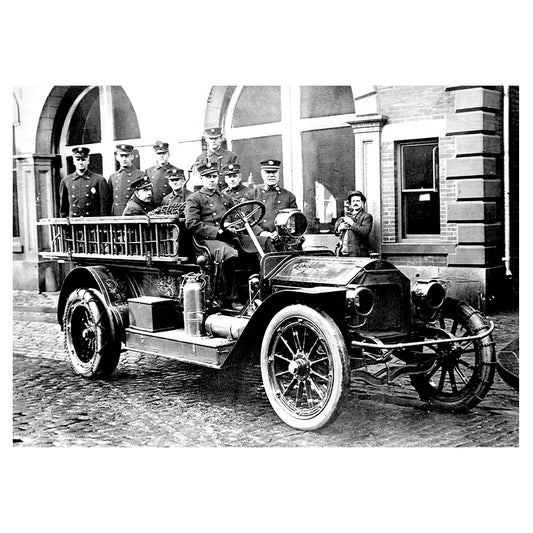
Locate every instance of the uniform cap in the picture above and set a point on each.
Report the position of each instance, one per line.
(175, 174)
(124, 148)
(213, 132)
(80, 152)
(206, 169)
(356, 193)
(232, 168)
(141, 183)
(160, 147)
(271, 164)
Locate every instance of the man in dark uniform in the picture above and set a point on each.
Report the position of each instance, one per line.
(158, 173)
(274, 197)
(140, 201)
(178, 194)
(203, 211)
(235, 189)
(216, 155)
(83, 193)
(120, 181)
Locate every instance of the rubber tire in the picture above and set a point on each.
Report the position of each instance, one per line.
(339, 364)
(103, 354)
(482, 376)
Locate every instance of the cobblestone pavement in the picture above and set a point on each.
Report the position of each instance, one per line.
(152, 401)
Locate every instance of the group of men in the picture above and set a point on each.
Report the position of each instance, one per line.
(130, 191)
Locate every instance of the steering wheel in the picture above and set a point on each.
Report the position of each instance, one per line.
(239, 215)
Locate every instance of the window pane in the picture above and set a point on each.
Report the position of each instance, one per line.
(328, 172)
(417, 160)
(321, 101)
(257, 105)
(252, 151)
(421, 214)
(84, 127)
(125, 122)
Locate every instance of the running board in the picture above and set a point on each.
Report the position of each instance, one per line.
(175, 344)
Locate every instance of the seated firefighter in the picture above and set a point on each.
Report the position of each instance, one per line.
(203, 212)
(141, 199)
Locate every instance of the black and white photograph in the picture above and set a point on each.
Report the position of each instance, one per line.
(336, 259)
(240, 282)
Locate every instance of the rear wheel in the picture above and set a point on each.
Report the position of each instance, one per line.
(463, 372)
(305, 367)
(91, 338)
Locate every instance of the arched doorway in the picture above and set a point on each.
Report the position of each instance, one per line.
(307, 127)
(98, 118)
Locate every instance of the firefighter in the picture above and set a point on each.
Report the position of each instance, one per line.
(273, 196)
(216, 154)
(203, 211)
(234, 187)
(140, 201)
(120, 182)
(83, 193)
(158, 173)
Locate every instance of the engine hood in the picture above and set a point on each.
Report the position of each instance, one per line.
(328, 270)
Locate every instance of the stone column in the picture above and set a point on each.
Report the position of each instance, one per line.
(34, 175)
(367, 132)
(474, 126)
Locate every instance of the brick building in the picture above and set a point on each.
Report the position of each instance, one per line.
(438, 164)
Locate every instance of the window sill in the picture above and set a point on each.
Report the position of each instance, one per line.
(17, 247)
(418, 248)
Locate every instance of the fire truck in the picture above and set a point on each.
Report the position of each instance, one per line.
(312, 320)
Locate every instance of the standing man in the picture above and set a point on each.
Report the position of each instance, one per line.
(233, 178)
(353, 230)
(273, 196)
(120, 181)
(83, 193)
(203, 211)
(140, 201)
(158, 173)
(216, 155)
(178, 194)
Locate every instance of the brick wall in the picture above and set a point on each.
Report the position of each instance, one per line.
(404, 103)
(410, 104)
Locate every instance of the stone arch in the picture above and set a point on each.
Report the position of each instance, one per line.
(53, 115)
(217, 105)
(365, 100)
(16, 111)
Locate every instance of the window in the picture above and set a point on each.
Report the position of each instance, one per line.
(99, 118)
(306, 127)
(419, 188)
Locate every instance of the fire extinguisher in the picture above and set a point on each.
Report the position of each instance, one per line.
(193, 304)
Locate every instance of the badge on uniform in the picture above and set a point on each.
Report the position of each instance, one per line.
(93, 190)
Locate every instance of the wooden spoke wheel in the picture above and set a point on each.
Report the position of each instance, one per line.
(305, 367)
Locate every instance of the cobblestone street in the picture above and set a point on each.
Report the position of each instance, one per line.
(152, 401)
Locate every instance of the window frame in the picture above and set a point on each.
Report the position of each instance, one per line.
(402, 191)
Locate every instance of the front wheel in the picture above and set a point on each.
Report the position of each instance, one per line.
(91, 339)
(305, 367)
(463, 372)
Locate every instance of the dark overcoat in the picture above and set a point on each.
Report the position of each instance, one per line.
(275, 199)
(354, 240)
(120, 188)
(87, 195)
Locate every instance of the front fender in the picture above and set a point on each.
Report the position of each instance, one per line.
(115, 291)
(331, 300)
